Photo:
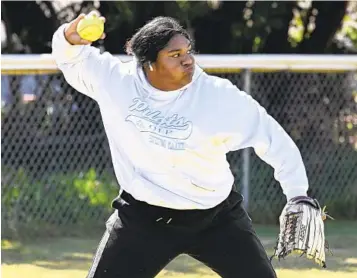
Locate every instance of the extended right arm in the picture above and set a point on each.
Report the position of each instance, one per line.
(82, 65)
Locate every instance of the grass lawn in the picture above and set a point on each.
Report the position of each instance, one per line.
(71, 257)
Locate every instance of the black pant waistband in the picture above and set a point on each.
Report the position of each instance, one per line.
(143, 212)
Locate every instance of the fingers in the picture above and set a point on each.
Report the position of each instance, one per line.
(71, 31)
(79, 18)
(94, 13)
(73, 24)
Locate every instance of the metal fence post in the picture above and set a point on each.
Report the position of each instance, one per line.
(246, 152)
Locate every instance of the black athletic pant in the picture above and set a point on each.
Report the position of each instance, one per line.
(141, 239)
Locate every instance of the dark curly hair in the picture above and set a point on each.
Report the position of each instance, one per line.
(150, 39)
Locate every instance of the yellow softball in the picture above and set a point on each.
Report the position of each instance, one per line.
(90, 28)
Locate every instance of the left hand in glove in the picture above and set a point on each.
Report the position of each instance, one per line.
(302, 230)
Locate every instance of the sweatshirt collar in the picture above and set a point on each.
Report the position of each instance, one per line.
(159, 94)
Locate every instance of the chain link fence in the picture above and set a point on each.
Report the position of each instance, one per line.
(57, 175)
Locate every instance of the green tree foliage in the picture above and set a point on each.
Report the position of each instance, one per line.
(218, 26)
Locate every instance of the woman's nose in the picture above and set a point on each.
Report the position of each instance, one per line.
(187, 60)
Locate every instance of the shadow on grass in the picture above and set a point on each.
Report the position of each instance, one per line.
(343, 257)
(74, 253)
(58, 253)
(186, 264)
(342, 239)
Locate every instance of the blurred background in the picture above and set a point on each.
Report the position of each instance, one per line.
(298, 59)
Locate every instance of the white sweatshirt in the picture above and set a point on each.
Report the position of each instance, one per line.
(169, 148)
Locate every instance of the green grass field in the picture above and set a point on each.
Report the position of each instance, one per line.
(71, 257)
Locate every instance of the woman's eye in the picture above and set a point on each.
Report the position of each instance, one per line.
(178, 54)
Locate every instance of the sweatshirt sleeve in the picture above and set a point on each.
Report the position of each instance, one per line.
(83, 66)
(251, 126)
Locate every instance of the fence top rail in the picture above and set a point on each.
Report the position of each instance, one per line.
(207, 61)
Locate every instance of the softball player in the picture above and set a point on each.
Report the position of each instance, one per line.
(169, 126)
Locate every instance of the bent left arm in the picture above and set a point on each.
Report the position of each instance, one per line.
(254, 127)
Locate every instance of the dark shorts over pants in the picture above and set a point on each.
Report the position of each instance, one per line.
(141, 239)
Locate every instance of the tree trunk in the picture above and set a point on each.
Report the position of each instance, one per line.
(328, 21)
(277, 41)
